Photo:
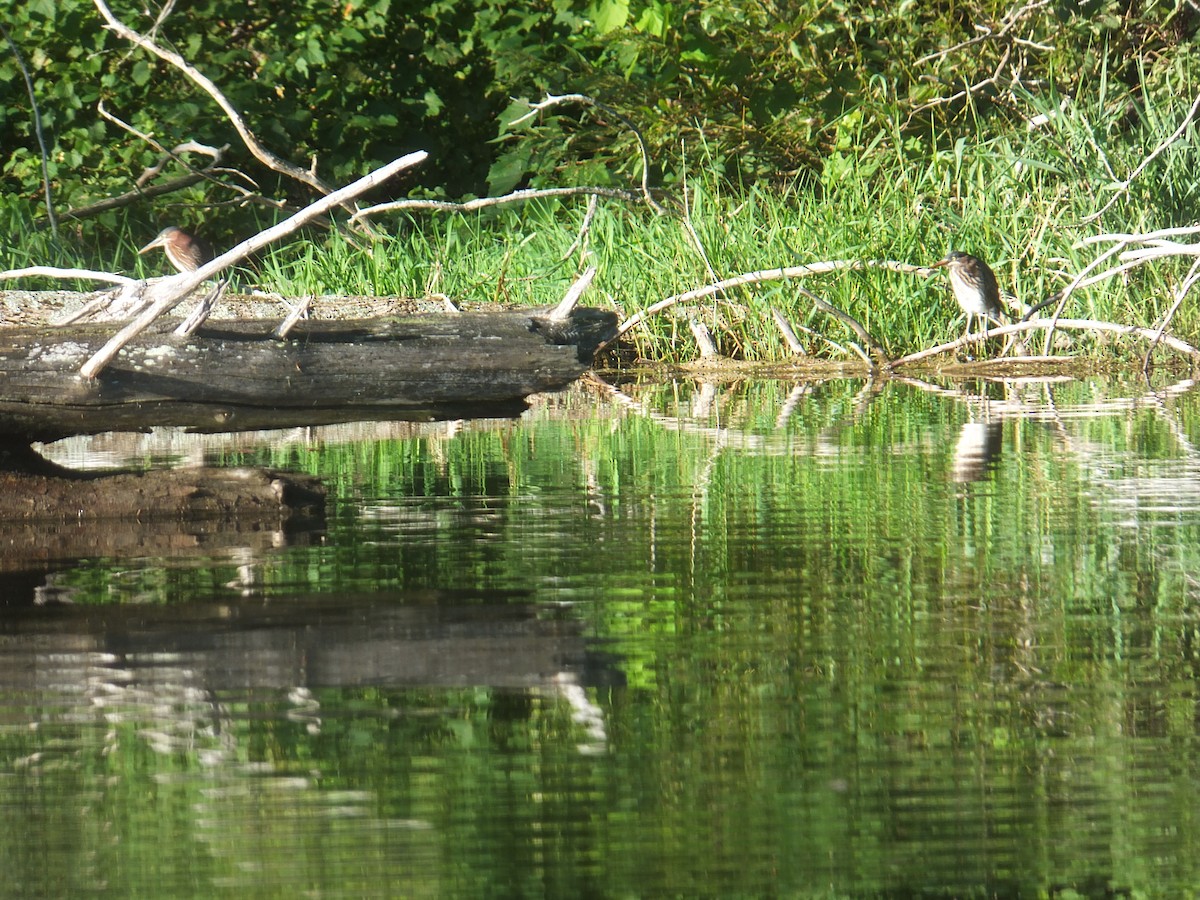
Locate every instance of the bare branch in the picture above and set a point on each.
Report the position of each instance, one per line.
(168, 292)
(563, 311)
(1123, 186)
(55, 272)
(789, 334)
(854, 325)
(1062, 324)
(1192, 276)
(552, 100)
(580, 242)
(37, 127)
(784, 273)
(483, 202)
(261, 153)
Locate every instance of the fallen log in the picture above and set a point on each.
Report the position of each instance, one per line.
(231, 375)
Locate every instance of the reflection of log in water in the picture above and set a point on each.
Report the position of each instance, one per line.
(50, 515)
(323, 642)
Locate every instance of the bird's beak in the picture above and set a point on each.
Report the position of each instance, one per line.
(157, 242)
(940, 263)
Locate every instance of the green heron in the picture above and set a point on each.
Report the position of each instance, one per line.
(186, 252)
(975, 287)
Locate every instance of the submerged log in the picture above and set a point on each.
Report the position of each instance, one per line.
(235, 374)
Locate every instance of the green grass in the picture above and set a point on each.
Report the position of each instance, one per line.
(1018, 199)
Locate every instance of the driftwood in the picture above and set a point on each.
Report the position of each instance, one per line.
(234, 375)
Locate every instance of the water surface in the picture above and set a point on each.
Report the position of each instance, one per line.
(755, 638)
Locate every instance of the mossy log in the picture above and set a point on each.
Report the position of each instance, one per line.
(232, 375)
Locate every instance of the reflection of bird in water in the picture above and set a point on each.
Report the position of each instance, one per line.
(186, 252)
(978, 448)
(975, 287)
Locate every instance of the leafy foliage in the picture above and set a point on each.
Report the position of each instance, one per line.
(753, 91)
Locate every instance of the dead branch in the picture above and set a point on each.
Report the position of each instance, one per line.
(782, 273)
(562, 312)
(1192, 276)
(37, 128)
(1004, 35)
(483, 202)
(140, 192)
(581, 239)
(1063, 324)
(55, 272)
(552, 100)
(789, 333)
(1158, 245)
(165, 294)
(1123, 186)
(854, 325)
(261, 153)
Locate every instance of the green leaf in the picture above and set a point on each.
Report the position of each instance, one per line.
(508, 170)
(609, 15)
(141, 73)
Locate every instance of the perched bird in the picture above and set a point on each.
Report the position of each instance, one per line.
(186, 252)
(974, 285)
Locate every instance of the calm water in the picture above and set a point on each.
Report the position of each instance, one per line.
(831, 640)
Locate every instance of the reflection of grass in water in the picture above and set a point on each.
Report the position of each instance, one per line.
(821, 635)
(651, 519)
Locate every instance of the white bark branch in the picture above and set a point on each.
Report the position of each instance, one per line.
(261, 153)
(165, 294)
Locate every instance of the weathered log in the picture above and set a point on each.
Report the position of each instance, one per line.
(235, 374)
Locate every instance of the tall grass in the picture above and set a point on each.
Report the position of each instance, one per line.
(1021, 200)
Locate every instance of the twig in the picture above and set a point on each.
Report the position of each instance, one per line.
(299, 311)
(1123, 186)
(580, 241)
(1160, 248)
(213, 153)
(552, 100)
(1066, 293)
(1063, 324)
(1001, 35)
(855, 326)
(167, 293)
(188, 326)
(783, 273)
(261, 153)
(37, 127)
(562, 312)
(789, 334)
(1192, 276)
(140, 192)
(482, 202)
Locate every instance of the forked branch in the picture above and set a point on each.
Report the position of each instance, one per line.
(261, 153)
